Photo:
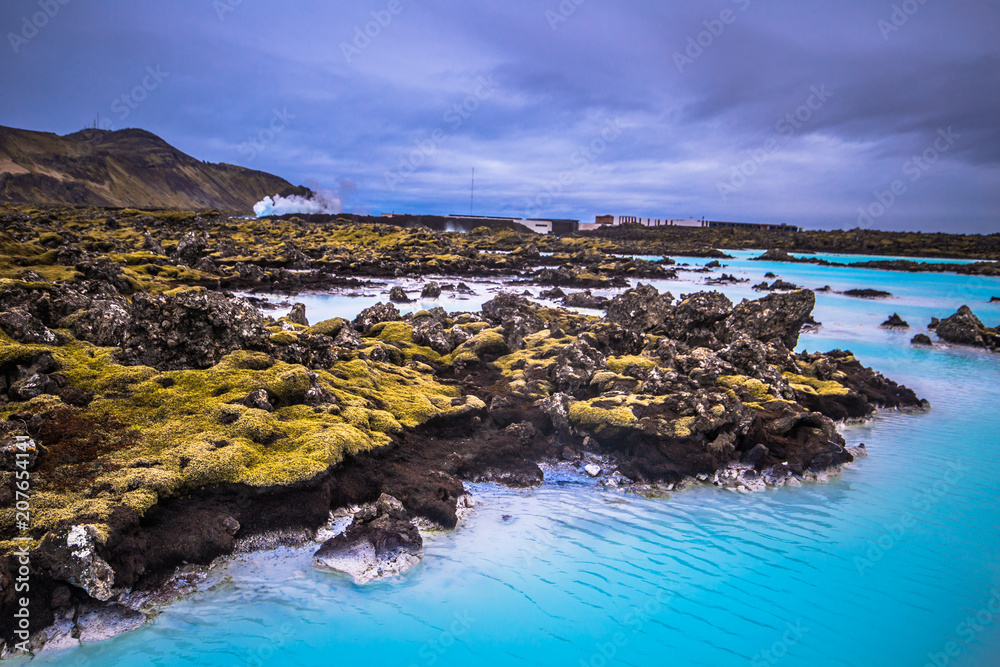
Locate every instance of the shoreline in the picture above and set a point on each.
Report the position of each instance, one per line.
(194, 580)
(218, 424)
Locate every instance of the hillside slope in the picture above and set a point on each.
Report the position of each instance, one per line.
(127, 168)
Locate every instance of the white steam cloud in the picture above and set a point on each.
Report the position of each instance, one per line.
(323, 201)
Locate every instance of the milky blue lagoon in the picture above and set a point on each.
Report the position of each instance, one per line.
(885, 565)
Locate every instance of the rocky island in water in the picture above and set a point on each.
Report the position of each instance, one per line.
(164, 422)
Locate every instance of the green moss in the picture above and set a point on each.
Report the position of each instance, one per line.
(328, 327)
(539, 352)
(191, 432)
(753, 387)
(50, 237)
(284, 338)
(606, 418)
(474, 327)
(138, 258)
(255, 425)
(619, 364)
(487, 342)
(246, 360)
(392, 331)
(184, 289)
(682, 427)
(811, 385)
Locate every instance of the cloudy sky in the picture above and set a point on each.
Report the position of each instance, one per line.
(772, 111)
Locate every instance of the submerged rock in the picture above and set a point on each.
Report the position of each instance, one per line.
(868, 294)
(964, 328)
(298, 315)
(431, 291)
(776, 286)
(381, 541)
(775, 255)
(96, 623)
(895, 322)
(922, 339)
(398, 295)
(585, 299)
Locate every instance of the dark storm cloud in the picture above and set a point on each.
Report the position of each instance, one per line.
(397, 121)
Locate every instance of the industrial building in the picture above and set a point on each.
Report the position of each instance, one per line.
(538, 225)
(603, 221)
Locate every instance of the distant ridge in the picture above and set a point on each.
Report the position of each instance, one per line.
(125, 168)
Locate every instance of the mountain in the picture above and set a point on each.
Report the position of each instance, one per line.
(124, 168)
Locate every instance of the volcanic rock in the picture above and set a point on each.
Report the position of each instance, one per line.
(868, 294)
(431, 291)
(895, 322)
(189, 249)
(380, 312)
(24, 327)
(964, 328)
(642, 309)
(776, 317)
(381, 541)
(298, 315)
(398, 295)
(193, 329)
(585, 299)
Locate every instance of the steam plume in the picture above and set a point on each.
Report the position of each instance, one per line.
(323, 201)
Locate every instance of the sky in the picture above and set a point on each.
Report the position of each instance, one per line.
(824, 114)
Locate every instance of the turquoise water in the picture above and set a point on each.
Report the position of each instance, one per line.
(882, 566)
(854, 259)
